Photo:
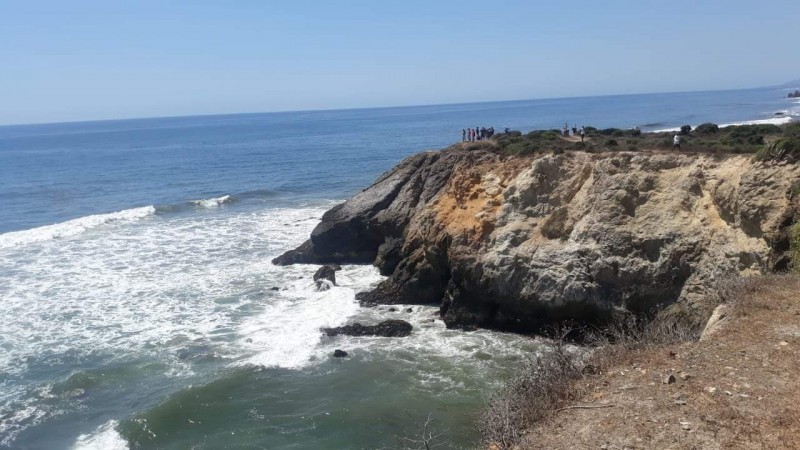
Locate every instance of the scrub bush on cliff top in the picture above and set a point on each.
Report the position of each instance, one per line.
(794, 247)
(783, 148)
(792, 130)
(707, 128)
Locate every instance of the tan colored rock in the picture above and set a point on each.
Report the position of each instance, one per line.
(520, 242)
(715, 322)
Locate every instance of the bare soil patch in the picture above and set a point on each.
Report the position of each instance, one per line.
(738, 388)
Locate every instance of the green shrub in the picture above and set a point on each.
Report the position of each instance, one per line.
(521, 148)
(636, 132)
(783, 148)
(590, 129)
(794, 247)
(745, 132)
(792, 129)
(545, 135)
(515, 133)
(611, 143)
(794, 191)
(686, 129)
(707, 128)
(612, 132)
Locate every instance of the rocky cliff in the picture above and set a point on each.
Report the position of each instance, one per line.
(517, 243)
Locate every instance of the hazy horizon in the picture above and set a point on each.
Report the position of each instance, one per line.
(112, 119)
(90, 61)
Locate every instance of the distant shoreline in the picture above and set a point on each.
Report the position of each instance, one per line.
(778, 120)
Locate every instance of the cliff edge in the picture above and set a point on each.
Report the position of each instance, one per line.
(520, 242)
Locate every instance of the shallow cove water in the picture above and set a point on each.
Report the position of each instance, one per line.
(137, 294)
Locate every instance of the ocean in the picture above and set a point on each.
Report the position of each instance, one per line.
(140, 308)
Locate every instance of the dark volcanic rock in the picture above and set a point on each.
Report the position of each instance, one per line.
(326, 272)
(390, 253)
(353, 231)
(339, 353)
(387, 328)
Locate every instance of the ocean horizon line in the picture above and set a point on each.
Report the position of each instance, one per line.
(367, 108)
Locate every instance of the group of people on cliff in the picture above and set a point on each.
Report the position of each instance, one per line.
(476, 134)
(575, 131)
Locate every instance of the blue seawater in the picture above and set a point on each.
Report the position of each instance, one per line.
(140, 309)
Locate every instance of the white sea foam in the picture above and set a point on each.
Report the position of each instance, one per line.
(782, 120)
(155, 290)
(437, 357)
(199, 286)
(73, 227)
(104, 437)
(13, 422)
(286, 333)
(212, 202)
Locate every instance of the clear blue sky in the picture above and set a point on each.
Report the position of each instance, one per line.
(81, 60)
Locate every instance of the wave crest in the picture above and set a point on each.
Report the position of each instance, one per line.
(105, 437)
(73, 227)
(212, 202)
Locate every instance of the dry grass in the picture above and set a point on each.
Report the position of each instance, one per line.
(543, 385)
(738, 389)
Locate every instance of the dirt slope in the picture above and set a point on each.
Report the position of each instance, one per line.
(739, 388)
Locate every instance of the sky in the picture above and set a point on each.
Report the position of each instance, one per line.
(89, 60)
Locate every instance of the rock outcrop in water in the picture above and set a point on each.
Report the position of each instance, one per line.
(387, 328)
(325, 276)
(518, 243)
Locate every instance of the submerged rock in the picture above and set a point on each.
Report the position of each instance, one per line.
(339, 353)
(387, 328)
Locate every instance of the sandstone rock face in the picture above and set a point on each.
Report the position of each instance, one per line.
(518, 243)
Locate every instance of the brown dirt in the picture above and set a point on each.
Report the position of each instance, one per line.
(738, 389)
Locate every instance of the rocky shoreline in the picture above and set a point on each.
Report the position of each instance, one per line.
(519, 243)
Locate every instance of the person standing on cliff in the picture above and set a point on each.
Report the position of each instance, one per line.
(463, 135)
(676, 142)
(583, 133)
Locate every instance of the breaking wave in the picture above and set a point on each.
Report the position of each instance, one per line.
(782, 120)
(105, 437)
(74, 226)
(213, 202)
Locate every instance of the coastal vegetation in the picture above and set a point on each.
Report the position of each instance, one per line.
(794, 247)
(766, 141)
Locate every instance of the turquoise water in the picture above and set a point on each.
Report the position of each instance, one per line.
(137, 293)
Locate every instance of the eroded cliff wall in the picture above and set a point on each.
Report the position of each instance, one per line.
(520, 242)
